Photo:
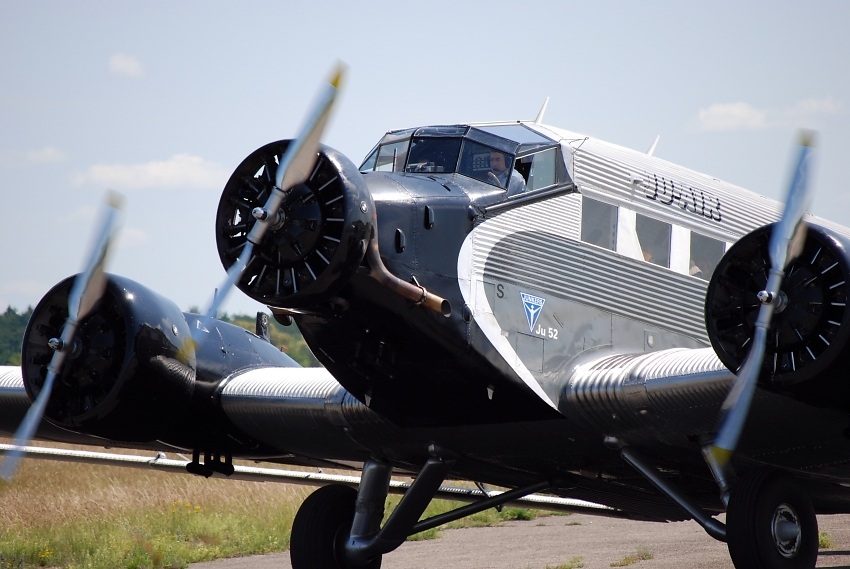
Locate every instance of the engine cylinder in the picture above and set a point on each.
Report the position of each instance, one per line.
(316, 239)
(806, 351)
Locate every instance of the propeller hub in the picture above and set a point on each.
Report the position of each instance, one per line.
(275, 221)
(72, 348)
(779, 301)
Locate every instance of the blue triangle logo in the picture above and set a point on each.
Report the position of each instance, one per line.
(533, 305)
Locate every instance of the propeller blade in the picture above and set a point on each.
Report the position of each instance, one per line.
(786, 239)
(85, 292)
(294, 167)
(786, 242)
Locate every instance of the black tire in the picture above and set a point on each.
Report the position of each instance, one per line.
(758, 503)
(320, 528)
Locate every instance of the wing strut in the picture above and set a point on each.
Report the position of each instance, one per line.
(636, 460)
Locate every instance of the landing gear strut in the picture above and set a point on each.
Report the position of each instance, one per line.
(338, 527)
(771, 523)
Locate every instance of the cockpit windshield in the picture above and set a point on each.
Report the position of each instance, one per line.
(525, 161)
(491, 165)
(433, 155)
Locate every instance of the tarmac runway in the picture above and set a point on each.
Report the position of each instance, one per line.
(568, 542)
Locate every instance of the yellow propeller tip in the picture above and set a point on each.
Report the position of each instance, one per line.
(114, 199)
(807, 138)
(336, 80)
(721, 456)
(186, 351)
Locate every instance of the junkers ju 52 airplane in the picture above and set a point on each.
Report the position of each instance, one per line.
(506, 303)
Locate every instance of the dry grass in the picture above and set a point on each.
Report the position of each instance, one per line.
(78, 515)
(45, 492)
(640, 555)
(103, 517)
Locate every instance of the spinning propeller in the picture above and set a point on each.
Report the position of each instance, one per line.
(786, 242)
(294, 167)
(87, 289)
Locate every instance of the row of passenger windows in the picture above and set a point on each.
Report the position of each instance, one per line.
(641, 237)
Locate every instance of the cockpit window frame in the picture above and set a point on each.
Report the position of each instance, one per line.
(520, 154)
(440, 154)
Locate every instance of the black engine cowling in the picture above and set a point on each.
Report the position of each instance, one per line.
(806, 352)
(312, 249)
(134, 375)
(123, 364)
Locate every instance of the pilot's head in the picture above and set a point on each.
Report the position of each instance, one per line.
(497, 161)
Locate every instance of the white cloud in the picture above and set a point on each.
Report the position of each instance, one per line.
(731, 116)
(125, 65)
(181, 171)
(743, 116)
(24, 159)
(45, 155)
(811, 108)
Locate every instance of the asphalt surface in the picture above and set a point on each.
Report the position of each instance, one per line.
(568, 541)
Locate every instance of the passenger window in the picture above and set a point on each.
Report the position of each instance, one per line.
(598, 223)
(541, 172)
(654, 238)
(705, 254)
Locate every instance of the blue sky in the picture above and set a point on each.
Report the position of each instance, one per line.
(161, 100)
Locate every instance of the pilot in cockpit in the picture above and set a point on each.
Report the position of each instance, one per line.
(503, 175)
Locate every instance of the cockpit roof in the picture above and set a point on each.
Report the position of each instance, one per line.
(511, 156)
(513, 138)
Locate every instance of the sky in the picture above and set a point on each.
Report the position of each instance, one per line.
(161, 100)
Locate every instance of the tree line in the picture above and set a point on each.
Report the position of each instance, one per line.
(288, 338)
(12, 327)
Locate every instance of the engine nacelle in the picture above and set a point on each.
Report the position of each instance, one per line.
(122, 366)
(807, 348)
(133, 374)
(315, 241)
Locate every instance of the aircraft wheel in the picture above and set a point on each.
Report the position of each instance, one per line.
(771, 524)
(320, 529)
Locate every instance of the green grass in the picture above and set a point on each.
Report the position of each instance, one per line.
(640, 555)
(85, 516)
(487, 518)
(163, 535)
(825, 541)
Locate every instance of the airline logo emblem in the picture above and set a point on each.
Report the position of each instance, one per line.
(532, 305)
